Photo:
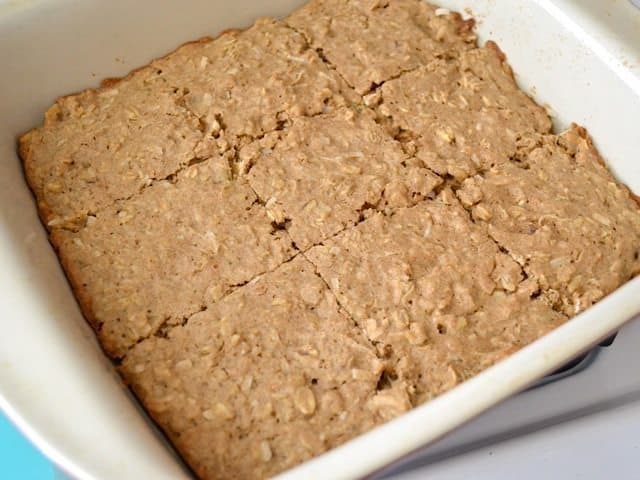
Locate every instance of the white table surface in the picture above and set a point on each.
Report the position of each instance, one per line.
(599, 446)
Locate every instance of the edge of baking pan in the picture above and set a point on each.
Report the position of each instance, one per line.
(362, 455)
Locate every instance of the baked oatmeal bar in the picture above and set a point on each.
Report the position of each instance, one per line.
(460, 116)
(424, 284)
(372, 41)
(262, 380)
(560, 213)
(166, 253)
(107, 144)
(328, 171)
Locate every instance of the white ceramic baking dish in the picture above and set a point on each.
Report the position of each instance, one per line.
(55, 383)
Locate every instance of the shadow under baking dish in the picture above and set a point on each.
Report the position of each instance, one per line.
(577, 365)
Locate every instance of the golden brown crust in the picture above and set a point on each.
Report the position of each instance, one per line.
(24, 153)
(131, 260)
(79, 289)
(583, 133)
(461, 115)
(490, 44)
(439, 295)
(24, 149)
(305, 196)
(110, 82)
(559, 212)
(419, 35)
(464, 26)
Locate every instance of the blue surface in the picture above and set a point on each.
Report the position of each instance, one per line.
(19, 460)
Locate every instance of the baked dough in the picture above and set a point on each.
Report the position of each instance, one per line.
(290, 234)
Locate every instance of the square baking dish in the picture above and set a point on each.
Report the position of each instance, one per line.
(580, 59)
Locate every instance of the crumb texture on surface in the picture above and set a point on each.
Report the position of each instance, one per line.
(328, 171)
(384, 38)
(165, 254)
(462, 115)
(269, 376)
(208, 96)
(291, 234)
(423, 284)
(560, 213)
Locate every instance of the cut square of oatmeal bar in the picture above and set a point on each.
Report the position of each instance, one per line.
(562, 216)
(262, 380)
(164, 254)
(248, 83)
(326, 172)
(421, 283)
(370, 42)
(106, 144)
(462, 115)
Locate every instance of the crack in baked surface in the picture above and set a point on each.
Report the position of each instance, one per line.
(434, 292)
(107, 144)
(168, 252)
(384, 38)
(560, 214)
(266, 376)
(461, 115)
(325, 172)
